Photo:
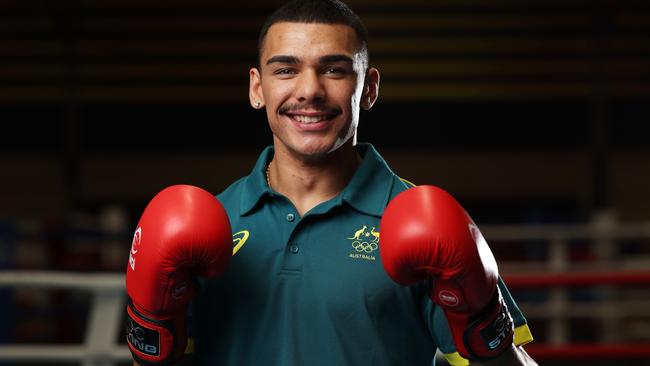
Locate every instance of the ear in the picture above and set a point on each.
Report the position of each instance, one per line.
(255, 94)
(370, 89)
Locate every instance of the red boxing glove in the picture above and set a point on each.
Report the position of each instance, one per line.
(426, 234)
(184, 231)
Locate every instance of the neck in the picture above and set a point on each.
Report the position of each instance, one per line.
(309, 182)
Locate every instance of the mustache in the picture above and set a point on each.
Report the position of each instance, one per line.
(322, 108)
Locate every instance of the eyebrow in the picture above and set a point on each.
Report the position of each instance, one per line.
(282, 59)
(327, 59)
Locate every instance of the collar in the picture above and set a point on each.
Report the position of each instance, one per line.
(255, 186)
(368, 191)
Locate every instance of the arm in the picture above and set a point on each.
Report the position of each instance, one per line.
(426, 235)
(515, 356)
(187, 360)
(184, 231)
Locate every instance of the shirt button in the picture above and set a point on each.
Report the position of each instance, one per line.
(290, 217)
(293, 249)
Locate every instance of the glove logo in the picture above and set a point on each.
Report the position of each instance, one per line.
(144, 340)
(364, 242)
(135, 244)
(448, 298)
(499, 330)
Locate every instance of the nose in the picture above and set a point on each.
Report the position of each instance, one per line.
(310, 87)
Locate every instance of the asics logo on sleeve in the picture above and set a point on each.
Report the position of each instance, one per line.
(238, 240)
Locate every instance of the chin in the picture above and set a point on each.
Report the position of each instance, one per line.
(314, 152)
(316, 148)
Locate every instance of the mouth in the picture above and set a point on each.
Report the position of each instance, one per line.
(310, 118)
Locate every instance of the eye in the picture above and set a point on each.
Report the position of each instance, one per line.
(335, 70)
(284, 71)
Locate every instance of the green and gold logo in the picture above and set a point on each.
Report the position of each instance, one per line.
(364, 243)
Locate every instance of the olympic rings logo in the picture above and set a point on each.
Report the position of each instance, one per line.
(364, 246)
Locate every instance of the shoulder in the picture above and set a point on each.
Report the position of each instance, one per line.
(231, 196)
(400, 185)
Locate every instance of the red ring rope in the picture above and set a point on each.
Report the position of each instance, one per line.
(634, 278)
(589, 351)
(583, 351)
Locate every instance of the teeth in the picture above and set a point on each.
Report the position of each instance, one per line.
(308, 119)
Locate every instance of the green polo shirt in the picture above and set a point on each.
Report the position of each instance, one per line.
(311, 290)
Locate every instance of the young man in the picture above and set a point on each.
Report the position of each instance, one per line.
(306, 284)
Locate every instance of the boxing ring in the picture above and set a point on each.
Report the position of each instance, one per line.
(556, 274)
(609, 311)
(607, 275)
(100, 346)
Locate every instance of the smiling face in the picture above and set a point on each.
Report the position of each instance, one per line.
(311, 81)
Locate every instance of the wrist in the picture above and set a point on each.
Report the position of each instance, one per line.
(483, 335)
(154, 340)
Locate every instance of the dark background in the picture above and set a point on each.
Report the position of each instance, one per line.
(526, 111)
(512, 106)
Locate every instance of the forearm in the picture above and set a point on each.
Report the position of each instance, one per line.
(513, 356)
(187, 360)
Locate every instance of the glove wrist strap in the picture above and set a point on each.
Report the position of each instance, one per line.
(490, 332)
(151, 341)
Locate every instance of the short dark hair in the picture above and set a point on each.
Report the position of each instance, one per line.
(315, 11)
